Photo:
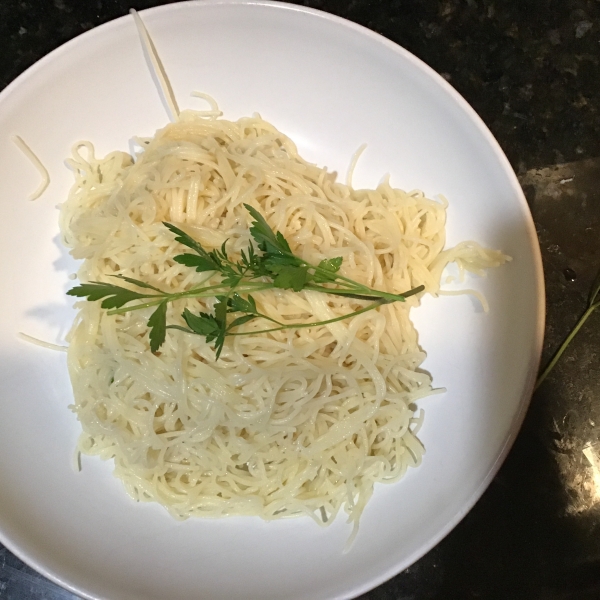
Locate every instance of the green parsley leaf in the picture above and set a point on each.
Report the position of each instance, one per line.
(215, 257)
(114, 295)
(200, 263)
(240, 321)
(183, 238)
(238, 304)
(291, 278)
(327, 269)
(221, 310)
(158, 326)
(202, 323)
(211, 327)
(264, 236)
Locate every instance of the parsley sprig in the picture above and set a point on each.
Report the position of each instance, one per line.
(272, 264)
(592, 305)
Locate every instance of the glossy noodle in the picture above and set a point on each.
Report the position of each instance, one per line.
(288, 423)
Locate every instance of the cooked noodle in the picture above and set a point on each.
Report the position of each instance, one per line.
(37, 163)
(289, 423)
(41, 343)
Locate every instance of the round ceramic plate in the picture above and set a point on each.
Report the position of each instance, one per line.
(331, 86)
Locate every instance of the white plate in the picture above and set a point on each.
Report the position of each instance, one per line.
(331, 85)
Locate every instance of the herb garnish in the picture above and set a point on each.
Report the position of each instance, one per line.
(274, 266)
(593, 304)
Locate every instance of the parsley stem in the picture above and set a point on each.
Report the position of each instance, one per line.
(205, 292)
(199, 292)
(366, 293)
(564, 345)
(126, 309)
(256, 286)
(268, 319)
(315, 324)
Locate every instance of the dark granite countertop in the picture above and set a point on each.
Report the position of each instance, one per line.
(530, 68)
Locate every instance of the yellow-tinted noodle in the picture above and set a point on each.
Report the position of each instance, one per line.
(290, 423)
(37, 163)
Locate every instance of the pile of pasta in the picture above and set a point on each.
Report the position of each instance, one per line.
(283, 424)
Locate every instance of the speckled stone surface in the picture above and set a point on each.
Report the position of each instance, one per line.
(530, 68)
